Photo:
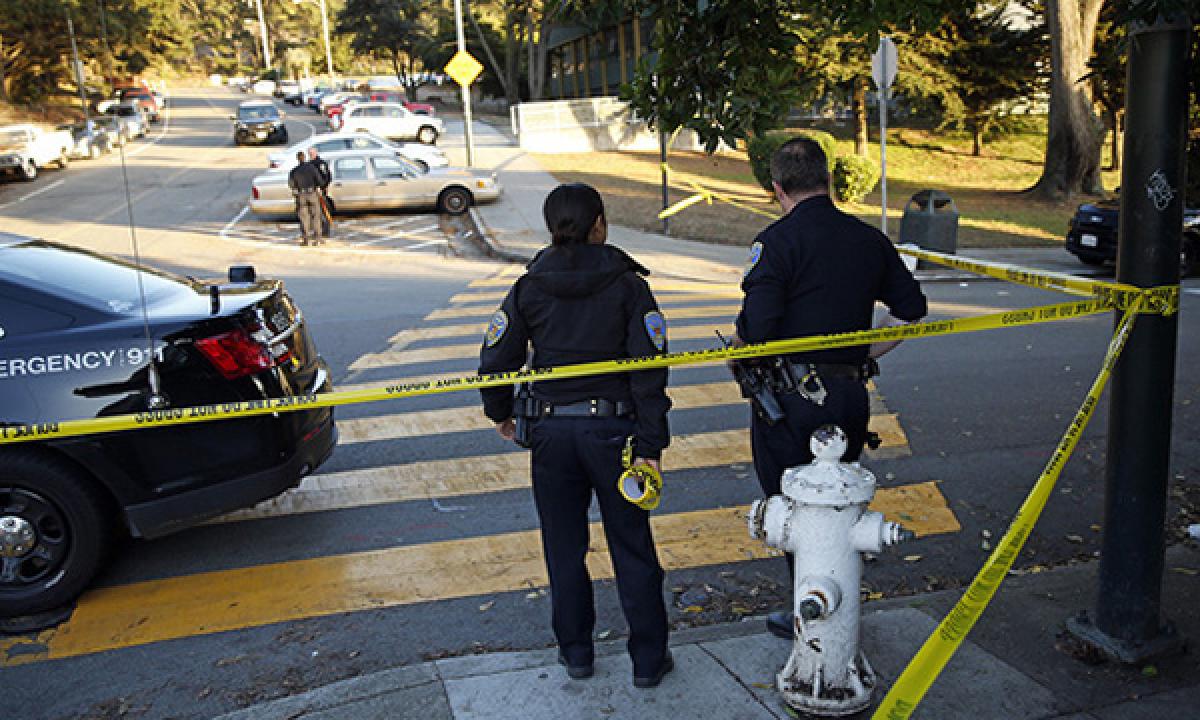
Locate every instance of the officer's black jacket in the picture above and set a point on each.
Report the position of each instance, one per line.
(818, 270)
(304, 177)
(322, 169)
(581, 303)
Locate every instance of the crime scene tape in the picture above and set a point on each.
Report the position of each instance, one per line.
(927, 664)
(179, 416)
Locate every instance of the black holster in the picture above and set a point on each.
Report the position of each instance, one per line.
(752, 379)
(525, 413)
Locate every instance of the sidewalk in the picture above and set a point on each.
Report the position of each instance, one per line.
(1008, 668)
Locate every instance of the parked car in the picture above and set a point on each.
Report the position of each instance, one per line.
(389, 120)
(143, 99)
(262, 87)
(1092, 235)
(128, 121)
(378, 180)
(258, 121)
(335, 104)
(312, 98)
(419, 108)
(25, 149)
(423, 156)
(75, 346)
(99, 141)
(290, 92)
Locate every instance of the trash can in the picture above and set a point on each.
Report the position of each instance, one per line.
(930, 222)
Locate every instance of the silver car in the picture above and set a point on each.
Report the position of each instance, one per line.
(379, 180)
(423, 156)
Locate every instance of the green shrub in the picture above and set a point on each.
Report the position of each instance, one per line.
(759, 150)
(853, 177)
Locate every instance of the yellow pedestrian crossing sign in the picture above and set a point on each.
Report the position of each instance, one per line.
(463, 68)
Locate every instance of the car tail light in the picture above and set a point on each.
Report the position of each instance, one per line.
(254, 192)
(236, 354)
(274, 164)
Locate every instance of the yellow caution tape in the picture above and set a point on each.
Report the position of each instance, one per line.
(924, 668)
(639, 484)
(185, 415)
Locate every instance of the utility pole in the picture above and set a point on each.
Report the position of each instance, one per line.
(87, 124)
(1127, 624)
(466, 87)
(262, 25)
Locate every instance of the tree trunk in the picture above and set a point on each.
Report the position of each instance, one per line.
(1116, 117)
(512, 55)
(3, 77)
(976, 138)
(538, 52)
(859, 104)
(1074, 136)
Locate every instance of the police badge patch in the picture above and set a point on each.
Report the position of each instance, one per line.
(755, 255)
(656, 328)
(496, 328)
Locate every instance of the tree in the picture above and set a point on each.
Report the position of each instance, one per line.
(1074, 134)
(400, 31)
(1107, 76)
(993, 63)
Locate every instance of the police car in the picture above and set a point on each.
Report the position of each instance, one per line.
(1092, 235)
(77, 341)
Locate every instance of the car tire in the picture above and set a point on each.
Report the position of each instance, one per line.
(67, 518)
(29, 171)
(1093, 260)
(454, 201)
(427, 134)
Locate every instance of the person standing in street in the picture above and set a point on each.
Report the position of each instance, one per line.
(326, 203)
(816, 271)
(583, 301)
(305, 182)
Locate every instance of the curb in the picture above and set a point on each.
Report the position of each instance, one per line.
(488, 243)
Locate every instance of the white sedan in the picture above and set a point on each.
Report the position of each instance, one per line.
(423, 156)
(390, 120)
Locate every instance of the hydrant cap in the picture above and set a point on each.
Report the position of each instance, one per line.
(828, 443)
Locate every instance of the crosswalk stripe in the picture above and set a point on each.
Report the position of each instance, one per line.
(472, 475)
(664, 298)
(673, 313)
(137, 614)
(656, 284)
(397, 355)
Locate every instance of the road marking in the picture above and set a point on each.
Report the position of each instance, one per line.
(162, 133)
(202, 604)
(418, 246)
(683, 313)
(236, 219)
(509, 274)
(35, 193)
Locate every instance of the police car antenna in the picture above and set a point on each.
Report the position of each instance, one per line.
(156, 399)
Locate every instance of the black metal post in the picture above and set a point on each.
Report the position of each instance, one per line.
(1127, 624)
(662, 158)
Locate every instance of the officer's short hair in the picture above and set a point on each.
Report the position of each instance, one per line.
(799, 166)
(571, 211)
(300, 156)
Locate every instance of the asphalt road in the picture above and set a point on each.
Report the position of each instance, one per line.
(417, 539)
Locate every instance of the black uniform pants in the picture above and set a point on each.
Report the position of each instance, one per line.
(573, 458)
(785, 444)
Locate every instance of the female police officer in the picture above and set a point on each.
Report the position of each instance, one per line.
(584, 301)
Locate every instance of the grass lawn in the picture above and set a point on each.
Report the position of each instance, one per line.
(987, 190)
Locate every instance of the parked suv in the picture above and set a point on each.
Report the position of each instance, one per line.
(1092, 235)
(258, 121)
(389, 120)
(74, 344)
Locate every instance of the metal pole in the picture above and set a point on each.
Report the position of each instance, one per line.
(262, 24)
(662, 158)
(328, 51)
(883, 156)
(87, 125)
(466, 89)
(1127, 624)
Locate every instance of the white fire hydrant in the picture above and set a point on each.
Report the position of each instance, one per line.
(822, 518)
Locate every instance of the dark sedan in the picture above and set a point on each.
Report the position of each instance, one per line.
(258, 122)
(1092, 235)
(75, 343)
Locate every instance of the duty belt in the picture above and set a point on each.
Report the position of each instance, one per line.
(596, 407)
(807, 379)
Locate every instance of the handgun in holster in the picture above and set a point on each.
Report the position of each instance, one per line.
(526, 410)
(753, 380)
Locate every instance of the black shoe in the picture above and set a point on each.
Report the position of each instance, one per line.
(781, 625)
(576, 672)
(648, 682)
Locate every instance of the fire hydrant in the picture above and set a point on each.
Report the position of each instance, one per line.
(822, 518)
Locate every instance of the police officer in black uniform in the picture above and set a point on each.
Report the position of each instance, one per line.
(816, 271)
(322, 167)
(584, 301)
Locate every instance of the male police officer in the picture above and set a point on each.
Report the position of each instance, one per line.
(318, 162)
(813, 272)
(305, 182)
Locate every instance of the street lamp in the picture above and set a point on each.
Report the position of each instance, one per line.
(325, 26)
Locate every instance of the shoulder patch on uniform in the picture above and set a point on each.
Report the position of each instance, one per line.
(656, 328)
(756, 251)
(497, 327)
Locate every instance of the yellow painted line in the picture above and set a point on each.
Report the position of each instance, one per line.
(399, 355)
(472, 475)
(141, 613)
(433, 422)
(656, 284)
(503, 278)
(893, 443)
(411, 335)
(666, 297)
(486, 311)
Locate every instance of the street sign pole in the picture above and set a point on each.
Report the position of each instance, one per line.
(466, 87)
(262, 24)
(1127, 624)
(883, 72)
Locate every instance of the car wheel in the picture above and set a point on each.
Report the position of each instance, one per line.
(454, 201)
(29, 171)
(1092, 260)
(427, 134)
(54, 533)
